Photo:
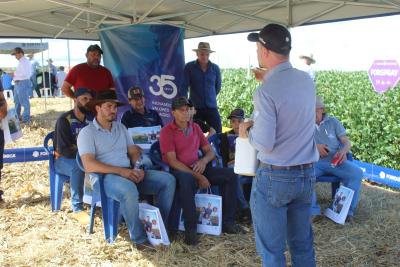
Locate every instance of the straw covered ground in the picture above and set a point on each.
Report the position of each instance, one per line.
(31, 235)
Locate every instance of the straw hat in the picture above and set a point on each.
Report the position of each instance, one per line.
(203, 46)
(310, 57)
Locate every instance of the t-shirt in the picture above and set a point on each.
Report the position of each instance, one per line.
(185, 144)
(96, 79)
(109, 147)
(68, 127)
(329, 132)
(132, 119)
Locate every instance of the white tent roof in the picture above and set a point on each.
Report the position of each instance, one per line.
(7, 48)
(80, 19)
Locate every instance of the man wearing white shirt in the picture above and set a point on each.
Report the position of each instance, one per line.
(22, 85)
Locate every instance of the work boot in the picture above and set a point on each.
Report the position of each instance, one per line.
(191, 238)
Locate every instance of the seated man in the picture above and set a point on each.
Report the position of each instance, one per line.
(180, 142)
(67, 129)
(140, 116)
(205, 128)
(227, 148)
(332, 140)
(106, 147)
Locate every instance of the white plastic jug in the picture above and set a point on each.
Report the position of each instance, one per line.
(246, 162)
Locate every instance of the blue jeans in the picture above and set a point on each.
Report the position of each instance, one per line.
(21, 98)
(239, 191)
(349, 174)
(280, 206)
(69, 168)
(161, 184)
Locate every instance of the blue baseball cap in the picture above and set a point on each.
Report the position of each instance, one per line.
(82, 91)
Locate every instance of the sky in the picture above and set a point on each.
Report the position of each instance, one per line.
(346, 46)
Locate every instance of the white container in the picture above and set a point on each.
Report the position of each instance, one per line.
(246, 162)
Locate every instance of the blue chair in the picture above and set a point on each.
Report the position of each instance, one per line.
(109, 206)
(56, 180)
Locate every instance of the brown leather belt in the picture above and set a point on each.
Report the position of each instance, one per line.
(295, 167)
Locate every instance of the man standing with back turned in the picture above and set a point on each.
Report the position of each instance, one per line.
(283, 134)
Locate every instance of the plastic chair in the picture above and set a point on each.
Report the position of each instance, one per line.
(109, 206)
(56, 180)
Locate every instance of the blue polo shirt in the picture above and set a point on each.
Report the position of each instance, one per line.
(204, 86)
(328, 132)
(109, 147)
(132, 118)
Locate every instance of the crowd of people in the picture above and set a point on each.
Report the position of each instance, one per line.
(294, 137)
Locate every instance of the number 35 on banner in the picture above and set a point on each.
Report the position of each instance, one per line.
(166, 87)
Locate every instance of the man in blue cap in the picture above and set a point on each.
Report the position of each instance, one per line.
(282, 132)
(66, 133)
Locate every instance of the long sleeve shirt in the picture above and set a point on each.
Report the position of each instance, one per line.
(284, 118)
(24, 70)
(204, 86)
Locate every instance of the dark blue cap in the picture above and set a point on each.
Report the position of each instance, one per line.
(82, 91)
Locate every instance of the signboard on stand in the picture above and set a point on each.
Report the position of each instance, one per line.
(384, 74)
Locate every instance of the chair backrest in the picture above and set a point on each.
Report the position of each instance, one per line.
(49, 137)
(215, 141)
(156, 156)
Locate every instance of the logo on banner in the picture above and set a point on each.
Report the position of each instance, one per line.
(166, 87)
(384, 74)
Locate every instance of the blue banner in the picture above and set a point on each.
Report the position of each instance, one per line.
(25, 154)
(148, 56)
(380, 174)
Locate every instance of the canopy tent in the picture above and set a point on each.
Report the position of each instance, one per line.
(7, 48)
(83, 19)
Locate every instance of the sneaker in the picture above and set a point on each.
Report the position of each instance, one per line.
(191, 238)
(82, 217)
(350, 219)
(233, 229)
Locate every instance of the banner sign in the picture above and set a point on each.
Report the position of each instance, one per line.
(384, 74)
(25, 154)
(380, 175)
(148, 56)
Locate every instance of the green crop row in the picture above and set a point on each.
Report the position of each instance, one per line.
(372, 120)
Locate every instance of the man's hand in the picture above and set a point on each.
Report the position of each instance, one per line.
(243, 127)
(342, 156)
(199, 166)
(202, 181)
(135, 176)
(323, 150)
(259, 73)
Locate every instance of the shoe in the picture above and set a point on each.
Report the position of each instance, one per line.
(1, 196)
(244, 215)
(191, 238)
(172, 235)
(82, 217)
(350, 219)
(144, 246)
(233, 229)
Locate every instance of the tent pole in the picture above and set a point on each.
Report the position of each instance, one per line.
(69, 68)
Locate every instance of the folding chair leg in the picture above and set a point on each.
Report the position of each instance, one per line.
(111, 212)
(92, 213)
(56, 191)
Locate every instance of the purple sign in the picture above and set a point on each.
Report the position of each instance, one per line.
(384, 74)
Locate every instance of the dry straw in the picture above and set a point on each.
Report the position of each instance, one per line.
(31, 235)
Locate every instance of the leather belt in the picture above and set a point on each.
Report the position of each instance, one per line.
(294, 167)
